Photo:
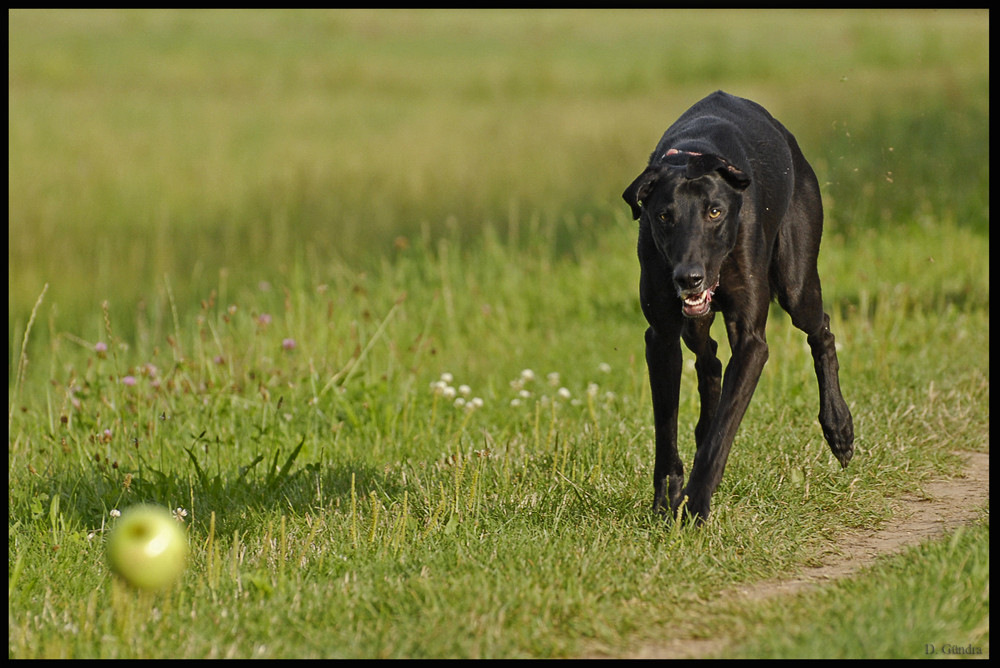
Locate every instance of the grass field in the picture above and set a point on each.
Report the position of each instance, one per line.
(356, 290)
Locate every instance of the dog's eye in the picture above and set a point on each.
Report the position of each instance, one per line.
(664, 217)
(714, 213)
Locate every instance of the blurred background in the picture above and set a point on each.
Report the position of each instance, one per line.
(155, 147)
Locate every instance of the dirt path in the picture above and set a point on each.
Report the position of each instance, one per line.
(945, 504)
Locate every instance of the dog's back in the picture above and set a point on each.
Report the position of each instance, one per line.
(725, 123)
(755, 142)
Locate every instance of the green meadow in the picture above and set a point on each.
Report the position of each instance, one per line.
(354, 293)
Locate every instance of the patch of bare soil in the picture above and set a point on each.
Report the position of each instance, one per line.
(944, 505)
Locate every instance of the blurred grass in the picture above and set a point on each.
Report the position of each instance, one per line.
(934, 599)
(145, 144)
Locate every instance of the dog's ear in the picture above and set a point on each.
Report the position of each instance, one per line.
(639, 189)
(699, 165)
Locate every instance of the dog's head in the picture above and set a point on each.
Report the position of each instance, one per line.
(692, 211)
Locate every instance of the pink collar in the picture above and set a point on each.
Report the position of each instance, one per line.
(675, 151)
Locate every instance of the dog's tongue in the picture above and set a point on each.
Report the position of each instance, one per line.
(697, 305)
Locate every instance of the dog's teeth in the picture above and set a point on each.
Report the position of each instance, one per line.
(694, 301)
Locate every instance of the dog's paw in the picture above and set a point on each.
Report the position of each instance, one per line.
(693, 508)
(662, 509)
(838, 429)
(843, 451)
(841, 440)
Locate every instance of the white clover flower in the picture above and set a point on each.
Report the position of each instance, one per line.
(527, 375)
(464, 390)
(604, 367)
(553, 378)
(563, 393)
(515, 402)
(592, 389)
(477, 402)
(180, 514)
(524, 394)
(447, 377)
(448, 391)
(115, 512)
(459, 402)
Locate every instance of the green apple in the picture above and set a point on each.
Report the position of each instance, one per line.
(147, 547)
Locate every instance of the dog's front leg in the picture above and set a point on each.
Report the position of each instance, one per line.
(742, 373)
(663, 359)
(696, 334)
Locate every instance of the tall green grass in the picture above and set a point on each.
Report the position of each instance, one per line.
(340, 503)
(267, 237)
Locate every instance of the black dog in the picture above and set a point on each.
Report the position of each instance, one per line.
(730, 216)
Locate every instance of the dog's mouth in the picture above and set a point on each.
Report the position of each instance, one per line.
(698, 304)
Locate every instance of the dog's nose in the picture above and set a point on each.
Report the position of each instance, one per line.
(689, 278)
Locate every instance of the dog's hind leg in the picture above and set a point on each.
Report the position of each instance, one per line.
(795, 281)
(834, 414)
(804, 303)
